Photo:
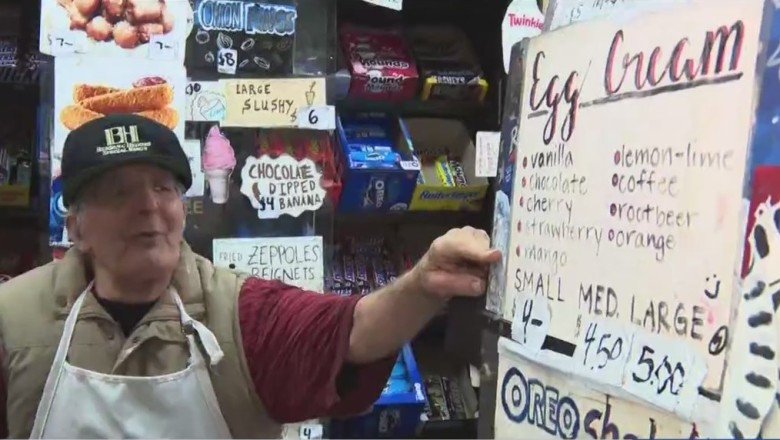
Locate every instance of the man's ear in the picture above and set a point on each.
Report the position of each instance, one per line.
(74, 230)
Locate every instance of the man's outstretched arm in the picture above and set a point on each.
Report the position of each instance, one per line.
(336, 353)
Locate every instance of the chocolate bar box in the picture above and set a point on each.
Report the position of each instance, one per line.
(241, 38)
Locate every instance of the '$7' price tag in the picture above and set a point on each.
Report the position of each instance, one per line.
(63, 42)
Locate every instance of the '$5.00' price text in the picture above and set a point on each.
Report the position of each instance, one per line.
(662, 374)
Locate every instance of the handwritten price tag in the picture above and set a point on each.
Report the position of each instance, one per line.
(603, 350)
(488, 145)
(163, 47)
(317, 118)
(658, 370)
(310, 431)
(64, 42)
(530, 322)
(227, 61)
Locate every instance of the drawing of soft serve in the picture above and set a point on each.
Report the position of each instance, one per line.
(750, 385)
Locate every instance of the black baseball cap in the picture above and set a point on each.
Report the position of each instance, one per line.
(115, 140)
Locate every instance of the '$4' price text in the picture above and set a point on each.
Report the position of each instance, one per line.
(648, 366)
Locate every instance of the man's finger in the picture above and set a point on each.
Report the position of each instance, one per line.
(476, 251)
(459, 284)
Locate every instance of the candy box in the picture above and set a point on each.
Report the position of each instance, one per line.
(448, 181)
(380, 63)
(397, 412)
(242, 38)
(448, 66)
(377, 163)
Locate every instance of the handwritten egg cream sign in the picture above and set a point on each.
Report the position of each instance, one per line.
(537, 402)
(628, 186)
(270, 102)
(296, 261)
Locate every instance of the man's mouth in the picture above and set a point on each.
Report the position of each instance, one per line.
(147, 235)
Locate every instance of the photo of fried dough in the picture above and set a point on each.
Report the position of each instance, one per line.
(85, 91)
(149, 97)
(166, 116)
(74, 116)
(134, 100)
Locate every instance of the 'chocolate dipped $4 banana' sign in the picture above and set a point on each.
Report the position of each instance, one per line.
(282, 185)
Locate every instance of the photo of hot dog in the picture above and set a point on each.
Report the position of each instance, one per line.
(149, 96)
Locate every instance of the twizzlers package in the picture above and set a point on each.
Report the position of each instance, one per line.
(381, 65)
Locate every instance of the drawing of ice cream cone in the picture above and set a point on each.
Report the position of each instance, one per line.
(219, 160)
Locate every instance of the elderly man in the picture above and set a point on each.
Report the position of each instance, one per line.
(132, 335)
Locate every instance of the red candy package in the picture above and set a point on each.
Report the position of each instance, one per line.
(381, 65)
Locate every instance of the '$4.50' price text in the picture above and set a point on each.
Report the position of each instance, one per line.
(648, 366)
(609, 347)
(602, 351)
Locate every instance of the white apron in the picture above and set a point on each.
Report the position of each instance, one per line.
(78, 403)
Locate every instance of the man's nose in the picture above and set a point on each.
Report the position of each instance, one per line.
(146, 199)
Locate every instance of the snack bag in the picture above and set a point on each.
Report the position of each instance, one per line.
(382, 67)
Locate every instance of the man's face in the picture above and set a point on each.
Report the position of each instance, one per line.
(131, 221)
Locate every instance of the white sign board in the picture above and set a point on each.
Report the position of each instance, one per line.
(629, 168)
(296, 261)
(282, 185)
(565, 12)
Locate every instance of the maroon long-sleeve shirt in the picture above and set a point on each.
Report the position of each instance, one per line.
(296, 345)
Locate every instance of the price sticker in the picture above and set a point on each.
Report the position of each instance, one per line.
(530, 321)
(322, 117)
(163, 47)
(311, 431)
(488, 146)
(602, 351)
(227, 61)
(63, 42)
(658, 369)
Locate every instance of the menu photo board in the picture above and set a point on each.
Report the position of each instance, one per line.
(626, 208)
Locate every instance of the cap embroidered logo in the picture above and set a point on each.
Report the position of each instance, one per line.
(124, 139)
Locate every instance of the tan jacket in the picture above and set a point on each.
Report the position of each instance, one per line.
(33, 308)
